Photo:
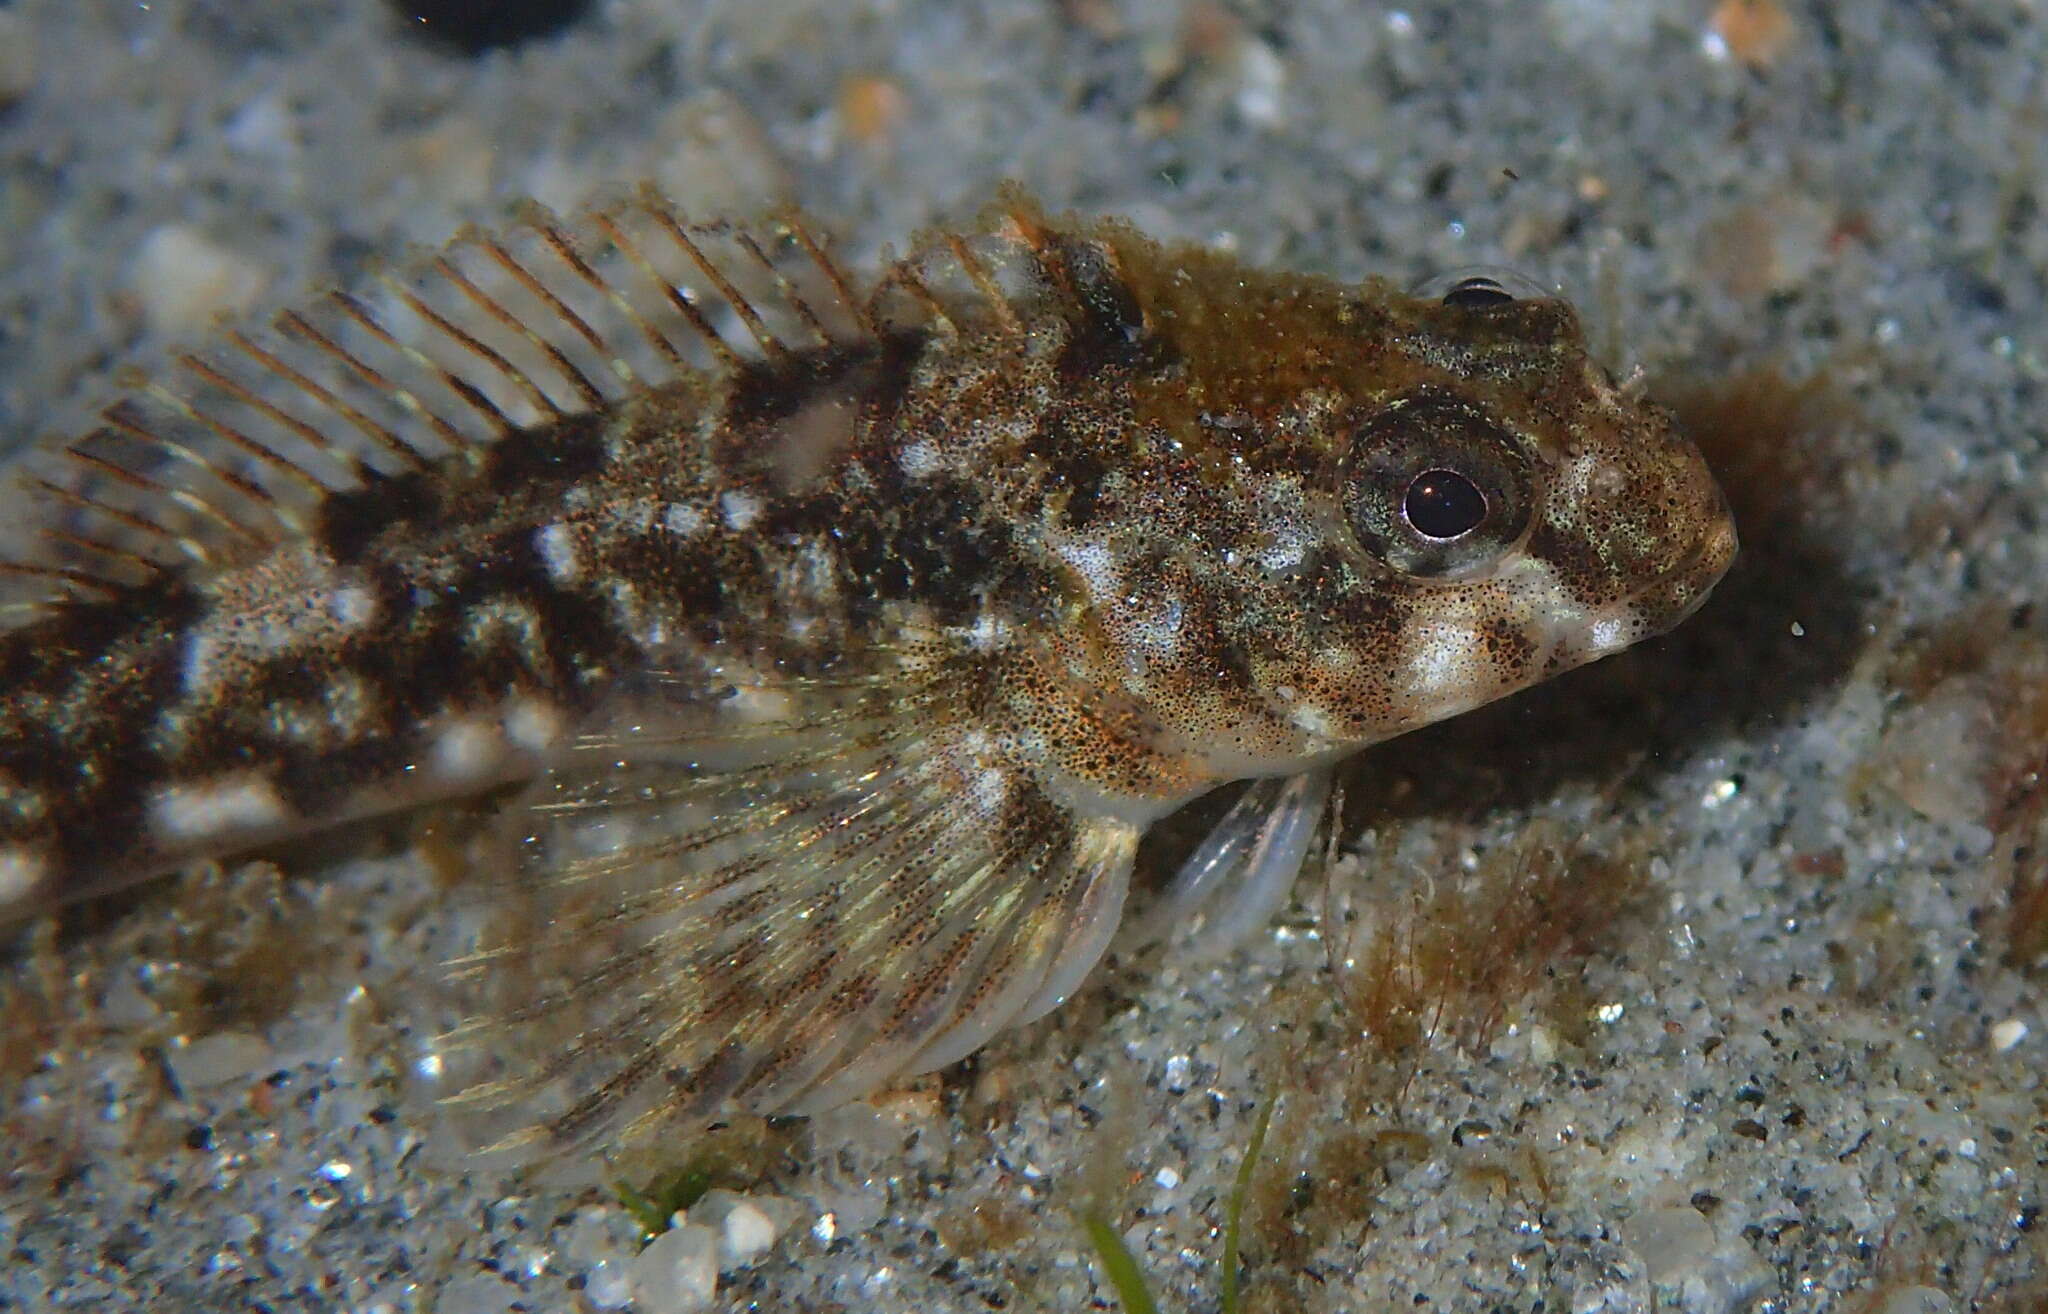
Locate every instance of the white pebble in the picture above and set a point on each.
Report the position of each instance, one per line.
(739, 508)
(219, 1059)
(206, 809)
(1262, 83)
(608, 1284)
(556, 546)
(21, 870)
(747, 1233)
(678, 1272)
(182, 278)
(746, 1225)
(1673, 1242)
(2006, 1034)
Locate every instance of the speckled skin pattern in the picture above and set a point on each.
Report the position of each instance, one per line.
(850, 646)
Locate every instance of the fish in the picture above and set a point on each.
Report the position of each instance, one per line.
(835, 638)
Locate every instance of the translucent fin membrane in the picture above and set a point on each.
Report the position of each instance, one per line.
(855, 892)
(1236, 879)
(235, 449)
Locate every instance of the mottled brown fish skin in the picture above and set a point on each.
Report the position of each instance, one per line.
(1074, 529)
(423, 604)
(1139, 425)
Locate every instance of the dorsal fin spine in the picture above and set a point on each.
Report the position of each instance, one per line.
(1033, 235)
(97, 547)
(384, 439)
(557, 241)
(841, 288)
(468, 393)
(903, 275)
(119, 418)
(121, 515)
(787, 290)
(60, 574)
(586, 390)
(297, 325)
(241, 442)
(985, 283)
(471, 343)
(668, 223)
(491, 247)
(150, 487)
(678, 299)
(277, 415)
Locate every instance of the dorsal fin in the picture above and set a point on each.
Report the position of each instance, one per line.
(995, 280)
(1013, 273)
(232, 452)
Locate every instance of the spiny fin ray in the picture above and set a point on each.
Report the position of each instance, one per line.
(234, 452)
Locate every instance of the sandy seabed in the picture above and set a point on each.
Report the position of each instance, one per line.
(1769, 1033)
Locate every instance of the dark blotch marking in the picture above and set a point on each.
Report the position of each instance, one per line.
(887, 382)
(1075, 468)
(81, 635)
(693, 580)
(351, 521)
(1572, 556)
(109, 667)
(559, 452)
(872, 379)
(1110, 329)
(1230, 663)
(1508, 646)
(526, 463)
(766, 392)
(927, 540)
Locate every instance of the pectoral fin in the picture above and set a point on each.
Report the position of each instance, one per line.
(839, 902)
(1239, 875)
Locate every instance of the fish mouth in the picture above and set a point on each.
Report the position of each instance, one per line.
(1651, 610)
(1679, 592)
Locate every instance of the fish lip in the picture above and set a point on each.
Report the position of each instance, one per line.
(1686, 587)
(1660, 605)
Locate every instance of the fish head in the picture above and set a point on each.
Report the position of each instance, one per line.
(1521, 510)
(1414, 503)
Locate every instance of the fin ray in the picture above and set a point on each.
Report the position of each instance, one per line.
(232, 452)
(787, 933)
(1237, 877)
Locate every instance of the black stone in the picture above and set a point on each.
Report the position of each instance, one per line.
(474, 27)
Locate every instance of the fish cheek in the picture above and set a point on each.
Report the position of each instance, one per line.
(1577, 567)
(1512, 652)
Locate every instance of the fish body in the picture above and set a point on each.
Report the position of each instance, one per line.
(848, 636)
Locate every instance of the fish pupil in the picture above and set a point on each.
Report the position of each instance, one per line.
(1443, 504)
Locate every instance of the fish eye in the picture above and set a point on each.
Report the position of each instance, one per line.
(1443, 504)
(1477, 292)
(1434, 487)
(1482, 288)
